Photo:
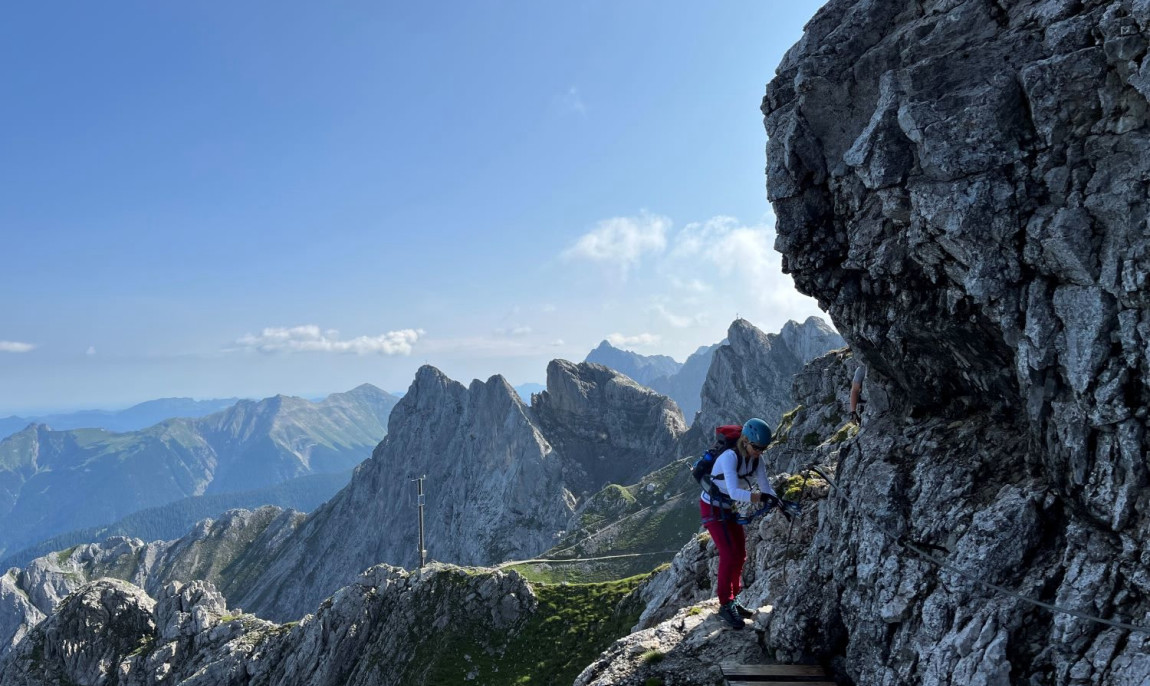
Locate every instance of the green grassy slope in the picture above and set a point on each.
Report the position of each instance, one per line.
(573, 624)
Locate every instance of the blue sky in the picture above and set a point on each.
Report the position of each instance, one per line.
(219, 199)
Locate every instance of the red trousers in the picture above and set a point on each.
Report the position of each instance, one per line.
(731, 543)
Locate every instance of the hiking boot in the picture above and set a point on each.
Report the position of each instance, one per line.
(730, 615)
(743, 612)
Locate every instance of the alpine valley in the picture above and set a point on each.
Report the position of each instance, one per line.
(53, 482)
(505, 481)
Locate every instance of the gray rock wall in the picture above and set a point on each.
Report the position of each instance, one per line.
(963, 187)
(608, 428)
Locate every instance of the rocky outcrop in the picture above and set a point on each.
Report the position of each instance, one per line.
(682, 650)
(608, 428)
(962, 186)
(85, 641)
(227, 551)
(383, 629)
(18, 614)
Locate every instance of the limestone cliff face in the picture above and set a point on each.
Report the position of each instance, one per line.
(494, 491)
(962, 185)
(608, 428)
(752, 375)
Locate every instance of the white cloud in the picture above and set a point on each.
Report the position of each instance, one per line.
(621, 241)
(727, 246)
(573, 101)
(680, 321)
(514, 331)
(643, 339)
(734, 258)
(310, 338)
(91, 350)
(16, 347)
(549, 308)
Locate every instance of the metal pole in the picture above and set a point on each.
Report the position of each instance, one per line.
(422, 550)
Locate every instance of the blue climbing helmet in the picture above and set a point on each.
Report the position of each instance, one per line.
(757, 432)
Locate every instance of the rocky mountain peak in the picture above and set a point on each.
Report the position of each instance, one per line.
(752, 375)
(496, 390)
(607, 427)
(811, 339)
(429, 380)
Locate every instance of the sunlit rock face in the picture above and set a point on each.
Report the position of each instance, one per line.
(752, 374)
(963, 187)
(502, 479)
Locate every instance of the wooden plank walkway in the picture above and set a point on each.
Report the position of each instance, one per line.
(763, 675)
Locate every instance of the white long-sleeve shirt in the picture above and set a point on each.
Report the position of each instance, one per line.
(732, 484)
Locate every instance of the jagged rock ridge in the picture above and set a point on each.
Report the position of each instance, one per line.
(112, 632)
(500, 477)
(752, 375)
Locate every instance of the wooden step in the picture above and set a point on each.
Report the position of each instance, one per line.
(744, 675)
(735, 681)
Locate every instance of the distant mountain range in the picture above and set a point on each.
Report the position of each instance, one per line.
(596, 462)
(641, 368)
(134, 418)
(683, 383)
(526, 390)
(680, 382)
(56, 481)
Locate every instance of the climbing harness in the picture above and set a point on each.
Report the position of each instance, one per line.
(920, 549)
